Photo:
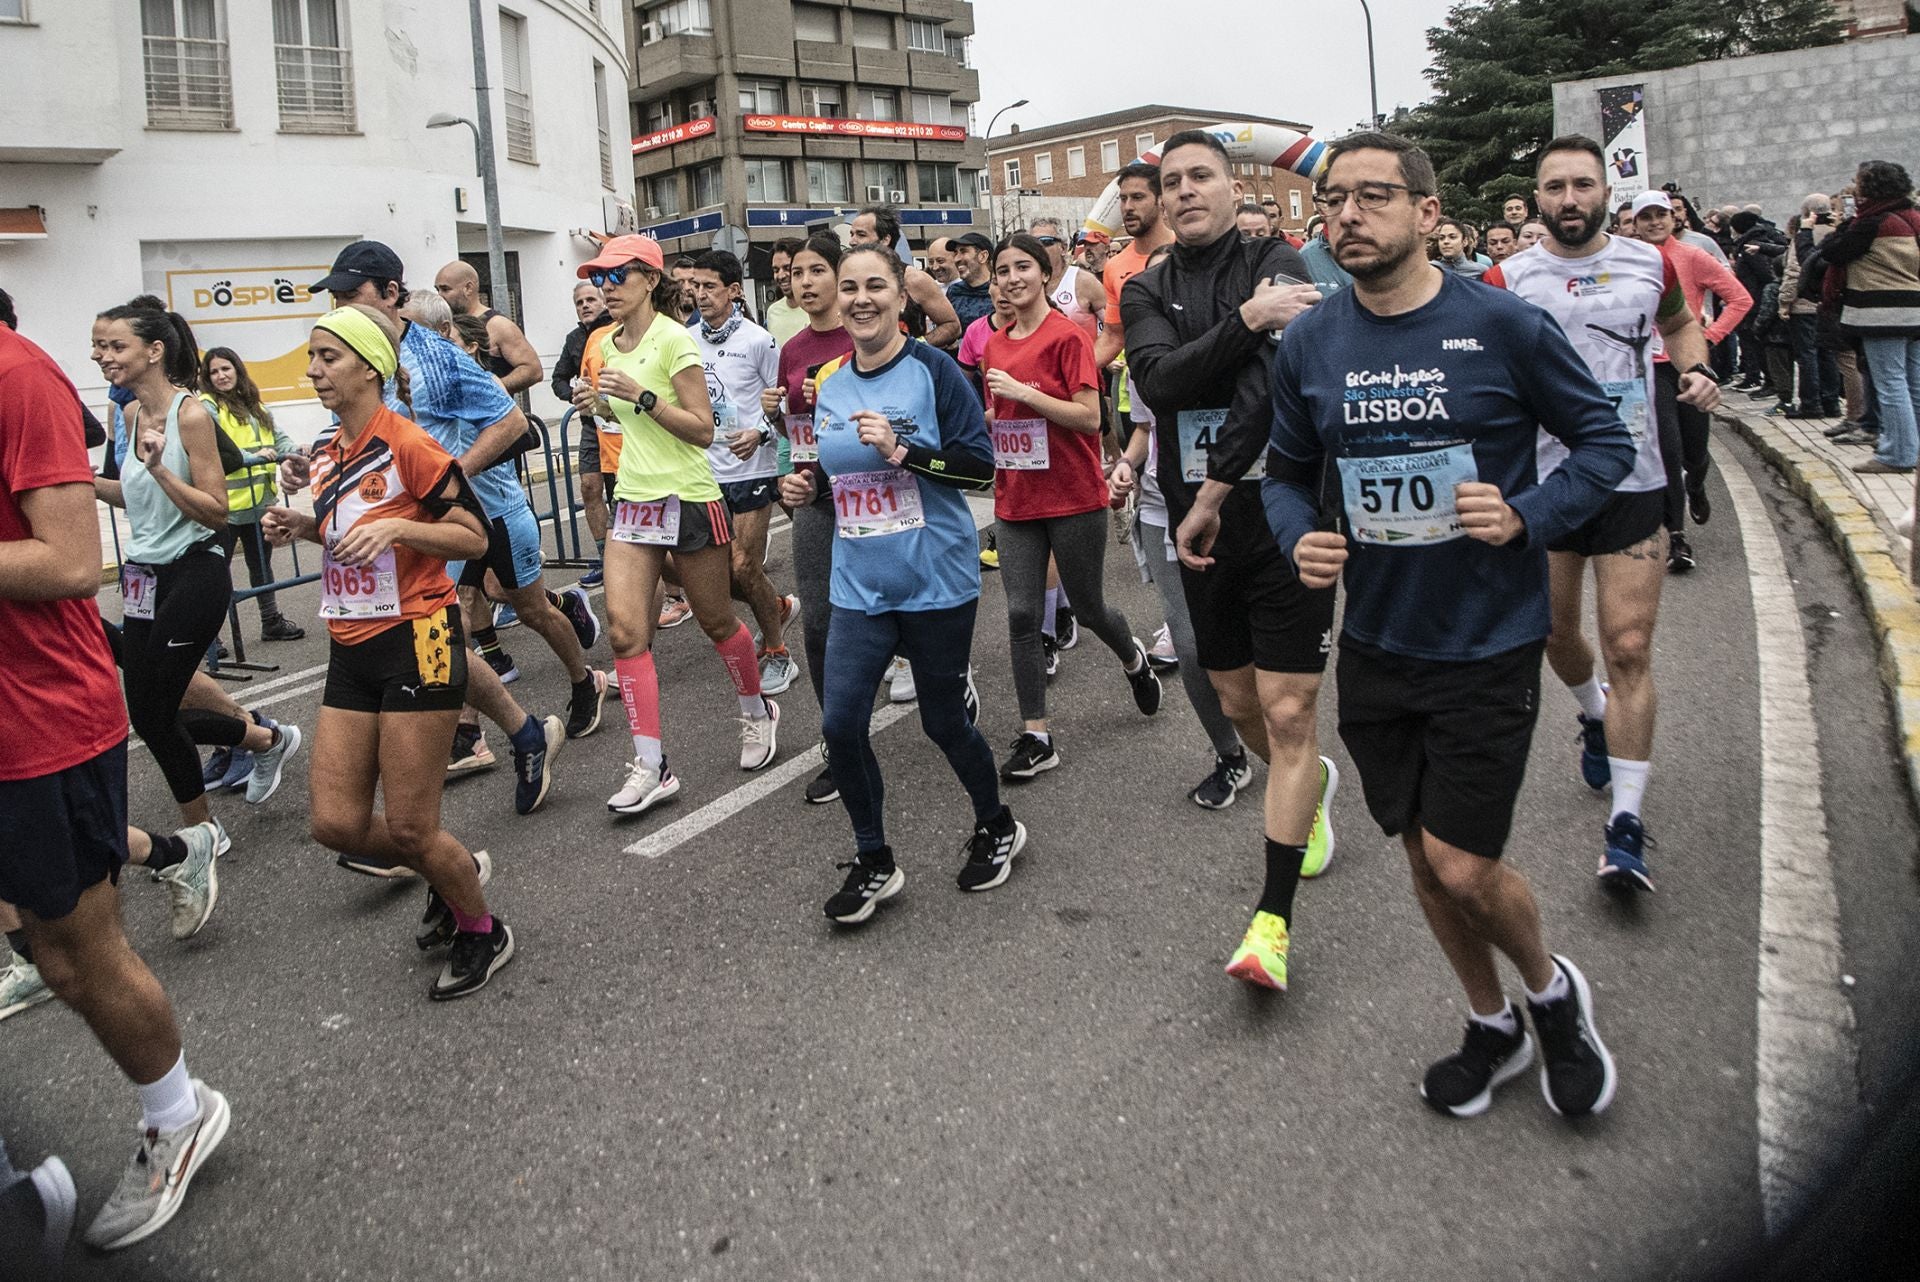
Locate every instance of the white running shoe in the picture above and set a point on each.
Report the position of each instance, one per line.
(21, 987)
(193, 884)
(155, 1181)
(268, 765)
(758, 736)
(646, 786)
(900, 688)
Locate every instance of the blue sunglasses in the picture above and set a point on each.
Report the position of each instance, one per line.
(602, 277)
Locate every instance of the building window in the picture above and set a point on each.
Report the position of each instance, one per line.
(960, 49)
(659, 116)
(821, 100)
(1293, 204)
(13, 10)
(882, 104)
(1012, 172)
(829, 182)
(930, 108)
(312, 67)
(603, 113)
(185, 51)
(663, 194)
(926, 37)
(681, 17)
(886, 177)
(975, 181)
(1109, 156)
(706, 186)
(766, 180)
(763, 97)
(1142, 144)
(816, 22)
(1076, 162)
(939, 184)
(872, 30)
(1043, 166)
(516, 87)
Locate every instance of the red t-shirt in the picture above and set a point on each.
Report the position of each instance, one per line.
(1056, 358)
(60, 700)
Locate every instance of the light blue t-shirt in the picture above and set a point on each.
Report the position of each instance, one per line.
(456, 400)
(159, 532)
(934, 565)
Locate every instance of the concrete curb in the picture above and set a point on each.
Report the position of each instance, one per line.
(1875, 563)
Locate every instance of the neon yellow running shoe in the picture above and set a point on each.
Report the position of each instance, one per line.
(1262, 956)
(1320, 841)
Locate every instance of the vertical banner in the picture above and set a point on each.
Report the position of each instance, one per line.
(1623, 136)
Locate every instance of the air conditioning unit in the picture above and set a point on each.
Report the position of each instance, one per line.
(876, 194)
(650, 33)
(896, 197)
(653, 213)
(699, 110)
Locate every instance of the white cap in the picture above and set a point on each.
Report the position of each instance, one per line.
(1651, 200)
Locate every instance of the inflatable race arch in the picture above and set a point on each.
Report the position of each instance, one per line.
(1247, 143)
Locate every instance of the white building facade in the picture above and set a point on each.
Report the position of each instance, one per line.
(219, 153)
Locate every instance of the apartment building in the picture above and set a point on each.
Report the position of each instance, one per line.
(1058, 171)
(767, 115)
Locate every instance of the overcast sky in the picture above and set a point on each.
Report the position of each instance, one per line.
(1294, 59)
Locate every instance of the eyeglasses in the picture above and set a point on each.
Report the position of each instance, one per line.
(1371, 197)
(1048, 240)
(601, 277)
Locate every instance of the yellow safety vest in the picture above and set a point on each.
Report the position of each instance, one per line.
(247, 487)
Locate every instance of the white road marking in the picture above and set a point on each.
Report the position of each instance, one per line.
(1808, 1089)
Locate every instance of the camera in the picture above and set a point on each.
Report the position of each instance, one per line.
(1672, 189)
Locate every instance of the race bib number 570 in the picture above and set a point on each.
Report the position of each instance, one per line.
(1406, 500)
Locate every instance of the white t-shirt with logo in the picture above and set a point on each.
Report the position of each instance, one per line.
(737, 371)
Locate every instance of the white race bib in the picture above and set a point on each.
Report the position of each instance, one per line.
(359, 591)
(655, 523)
(1406, 500)
(137, 588)
(1629, 397)
(1199, 429)
(869, 504)
(1020, 445)
(803, 445)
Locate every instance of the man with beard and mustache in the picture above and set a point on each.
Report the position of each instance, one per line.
(1426, 392)
(1140, 216)
(1611, 296)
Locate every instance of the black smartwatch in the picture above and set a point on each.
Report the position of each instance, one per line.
(647, 401)
(1702, 368)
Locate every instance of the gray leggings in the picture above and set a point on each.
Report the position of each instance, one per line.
(813, 536)
(1079, 548)
(1149, 546)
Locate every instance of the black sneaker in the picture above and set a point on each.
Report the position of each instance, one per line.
(583, 708)
(990, 852)
(436, 924)
(579, 612)
(1698, 505)
(470, 751)
(472, 962)
(281, 628)
(822, 789)
(1679, 554)
(502, 664)
(1217, 790)
(1145, 682)
(870, 879)
(1463, 1083)
(1050, 650)
(1066, 628)
(1031, 756)
(1576, 1073)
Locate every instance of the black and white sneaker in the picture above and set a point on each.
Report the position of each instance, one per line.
(1066, 627)
(1576, 1072)
(1031, 756)
(583, 707)
(870, 879)
(1217, 790)
(1145, 682)
(1463, 1083)
(436, 924)
(472, 962)
(822, 789)
(36, 1219)
(990, 851)
(1050, 652)
(502, 664)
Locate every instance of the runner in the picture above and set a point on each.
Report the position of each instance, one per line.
(390, 508)
(1076, 292)
(928, 314)
(1446, 581)
(1050, 496)
(741, 364)
(972, 278)
(509, 357)
(228, 390)
(1611, 296)
(816, 288)
(666, 501)
(905, 574)
(591, 312)
(784, 315)
(1198, 350)
(1140, 215)
(63, 753)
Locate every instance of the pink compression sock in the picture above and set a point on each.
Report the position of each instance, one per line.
(743, 665)
(640, 692)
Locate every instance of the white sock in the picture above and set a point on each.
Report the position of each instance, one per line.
(1555, 990)
(1053, 611)
(170, 1103)
(1507, 1022)
(648, 750)
(754, 707)
(1042, 736)
(1629, 785)
(1591, 697)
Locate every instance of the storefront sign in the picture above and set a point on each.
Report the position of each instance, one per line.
(673, 134)
(854, 128)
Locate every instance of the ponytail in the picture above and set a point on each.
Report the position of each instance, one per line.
(666, 295)
(170, 329)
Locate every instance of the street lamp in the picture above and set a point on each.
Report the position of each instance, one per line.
(993, 215)
(482, 126)
(1373, 79)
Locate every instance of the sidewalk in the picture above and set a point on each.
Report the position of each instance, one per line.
(1859, 513)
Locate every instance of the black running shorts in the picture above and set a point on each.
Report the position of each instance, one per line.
(1441, 746)
(1622, 521)
(750, 496)
(1250, 607)
(61, 834)
(417, 665)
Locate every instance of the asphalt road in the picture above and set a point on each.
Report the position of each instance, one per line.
(687, 1072)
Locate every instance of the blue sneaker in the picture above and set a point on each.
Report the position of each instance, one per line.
(594, 576)
(216, 767)
(1623, 867)
(1593, 751)
(239, 770)
(504, 616)
(533, 770)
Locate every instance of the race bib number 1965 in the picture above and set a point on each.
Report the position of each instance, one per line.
(359, 591)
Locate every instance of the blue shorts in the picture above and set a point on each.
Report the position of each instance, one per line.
(513, 554)
(749, 496)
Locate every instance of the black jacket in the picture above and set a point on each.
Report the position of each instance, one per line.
(1760, 268)
(567, 368)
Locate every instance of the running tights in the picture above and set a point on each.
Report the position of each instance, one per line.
(813, 537)
(1150, 547)
(1683, 444)
(159, 656)
(1079, 548)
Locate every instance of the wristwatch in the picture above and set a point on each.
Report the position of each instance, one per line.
(647, 401)
(1702, 368)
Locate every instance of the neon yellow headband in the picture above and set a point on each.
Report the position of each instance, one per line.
(352, 327)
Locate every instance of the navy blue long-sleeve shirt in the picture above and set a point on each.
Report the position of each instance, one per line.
(1407, 407)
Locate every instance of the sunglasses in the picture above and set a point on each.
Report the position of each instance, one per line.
(1048, 240)
(601, 277)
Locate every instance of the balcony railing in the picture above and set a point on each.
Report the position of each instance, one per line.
(188, 83)
(316, 89)
(519, 126)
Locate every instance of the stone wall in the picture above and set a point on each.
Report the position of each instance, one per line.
(1773, 127)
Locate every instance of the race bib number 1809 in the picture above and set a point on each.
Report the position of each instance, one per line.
(803, 445)
(1020, 445)
(1406, 500)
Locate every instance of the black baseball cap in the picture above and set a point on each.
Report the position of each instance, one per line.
(972, 240)
(362, 260)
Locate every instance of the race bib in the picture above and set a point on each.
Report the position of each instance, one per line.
(1198, 431)
(1629, 397)
(1020, 445)
(655, 523)
(725, 420)
(136, 592)
(869, 504)
(803, 445)
(1406, 500)
(359, 591)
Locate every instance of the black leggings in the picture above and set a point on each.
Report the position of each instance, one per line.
(253, 544)
(1683, 444)
(159, 655)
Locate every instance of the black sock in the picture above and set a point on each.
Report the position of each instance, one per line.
(881, 858)
(168, 850)
(1000, 825)
(585, 685)
(486, 640)
(1283, 875)
(17, 940)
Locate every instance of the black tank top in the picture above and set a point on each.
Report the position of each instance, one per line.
(496, 364)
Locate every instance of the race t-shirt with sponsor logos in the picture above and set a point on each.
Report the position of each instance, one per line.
(1404, 409)
(1043, 470)
(738, 370)
(1609, 304)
